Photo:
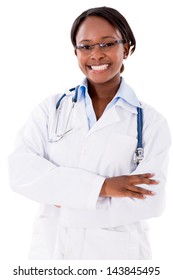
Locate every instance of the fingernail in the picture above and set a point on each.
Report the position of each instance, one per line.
(153, 193)
(154, 182)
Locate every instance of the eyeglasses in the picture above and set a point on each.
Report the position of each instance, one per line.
(86, 48)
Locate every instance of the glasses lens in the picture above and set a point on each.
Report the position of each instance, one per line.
(83, 47)
(106, 46)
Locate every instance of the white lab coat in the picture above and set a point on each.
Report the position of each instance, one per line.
(71, 171)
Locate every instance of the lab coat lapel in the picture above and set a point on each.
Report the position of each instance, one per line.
(80, 117)
(110, 117)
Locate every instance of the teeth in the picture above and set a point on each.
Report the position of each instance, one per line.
(99, 67)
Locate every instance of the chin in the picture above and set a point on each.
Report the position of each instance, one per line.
(99, 80)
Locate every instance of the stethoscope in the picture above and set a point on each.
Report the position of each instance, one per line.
(139, 152)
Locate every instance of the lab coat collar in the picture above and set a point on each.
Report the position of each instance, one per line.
(110, 117)
(125, 96)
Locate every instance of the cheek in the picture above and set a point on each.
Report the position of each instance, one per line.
(117, 62)
(118, 56)
(81, 62)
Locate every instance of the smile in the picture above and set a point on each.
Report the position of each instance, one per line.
(99, 67)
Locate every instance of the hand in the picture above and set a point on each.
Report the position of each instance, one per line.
(125, 186)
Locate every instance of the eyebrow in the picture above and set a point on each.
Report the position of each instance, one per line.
(104, 37)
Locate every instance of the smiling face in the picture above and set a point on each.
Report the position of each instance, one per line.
(100, 65)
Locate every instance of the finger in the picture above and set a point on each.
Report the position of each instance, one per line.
(148, 181)
(147, 175)
(58, 206)
(140, 190)
(132, 194)
(143, 179)
(147, 178)
(144, 175)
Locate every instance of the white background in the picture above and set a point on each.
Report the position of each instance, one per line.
(37, 59)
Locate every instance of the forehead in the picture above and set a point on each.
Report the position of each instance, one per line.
(94, 27)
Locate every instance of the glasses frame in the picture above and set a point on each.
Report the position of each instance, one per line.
(101, 45)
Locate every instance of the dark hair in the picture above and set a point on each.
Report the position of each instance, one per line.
(111, 15)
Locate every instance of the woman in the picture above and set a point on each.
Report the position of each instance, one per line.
(75, 156)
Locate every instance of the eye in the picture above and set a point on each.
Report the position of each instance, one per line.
(84, 47)
(108, 44)
(87, 47)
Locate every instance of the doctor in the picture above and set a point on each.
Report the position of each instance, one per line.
(75, 155)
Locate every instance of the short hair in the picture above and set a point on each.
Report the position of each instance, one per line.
(113, 17)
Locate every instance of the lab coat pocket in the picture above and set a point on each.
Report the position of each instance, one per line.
(44, 238)
(106, 244)
(119, 153)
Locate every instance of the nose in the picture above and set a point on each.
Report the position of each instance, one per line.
(97, 53)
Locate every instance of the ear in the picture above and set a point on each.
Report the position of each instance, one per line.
(75, 52)
(126, 50)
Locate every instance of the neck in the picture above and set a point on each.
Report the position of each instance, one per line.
(105, 91)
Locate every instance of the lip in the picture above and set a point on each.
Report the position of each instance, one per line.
(99, 67)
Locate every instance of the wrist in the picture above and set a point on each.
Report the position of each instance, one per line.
(103, 189)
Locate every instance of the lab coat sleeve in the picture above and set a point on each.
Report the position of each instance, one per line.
(34, 176)
(157, 141)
